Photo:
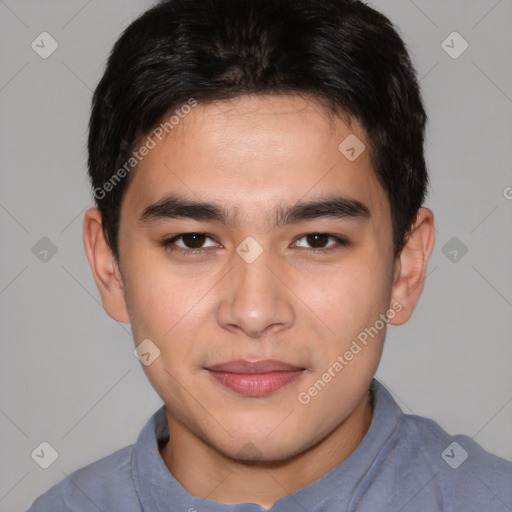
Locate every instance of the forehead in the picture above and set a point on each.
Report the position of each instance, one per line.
(257, 153)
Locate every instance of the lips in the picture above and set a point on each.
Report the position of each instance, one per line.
(258, 378)
(241, 366)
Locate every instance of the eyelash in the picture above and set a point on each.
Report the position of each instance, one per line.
(167, 243)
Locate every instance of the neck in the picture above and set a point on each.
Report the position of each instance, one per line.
(225, 480)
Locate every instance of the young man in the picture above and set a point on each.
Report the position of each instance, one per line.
(259, 175)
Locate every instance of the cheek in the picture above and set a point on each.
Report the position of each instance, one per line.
(171, 308)
(154, 297)
(350, 298)
(349, 301)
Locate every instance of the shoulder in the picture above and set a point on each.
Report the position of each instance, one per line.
(105, 484)
(457, 451)
(455, 470)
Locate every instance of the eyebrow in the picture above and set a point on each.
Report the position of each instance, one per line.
(176, 207)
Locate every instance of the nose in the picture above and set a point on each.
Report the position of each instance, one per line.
(255, 300)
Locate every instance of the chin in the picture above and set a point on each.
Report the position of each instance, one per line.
(262, 449)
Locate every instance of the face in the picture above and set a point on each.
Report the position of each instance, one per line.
(272, 246)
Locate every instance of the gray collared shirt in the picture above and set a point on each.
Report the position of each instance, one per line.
(404, 463)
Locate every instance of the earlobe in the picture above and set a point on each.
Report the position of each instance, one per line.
(411, 266)
(104, 267)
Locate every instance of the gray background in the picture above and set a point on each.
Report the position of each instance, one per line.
(68, 375)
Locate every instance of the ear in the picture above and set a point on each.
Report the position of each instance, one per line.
(411, 267)
(104, 267)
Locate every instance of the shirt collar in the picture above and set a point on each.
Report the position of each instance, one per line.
(159, 491)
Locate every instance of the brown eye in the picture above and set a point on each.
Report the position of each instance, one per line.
(193, 240)
(317, 240)
(189, 242)
(321, 242)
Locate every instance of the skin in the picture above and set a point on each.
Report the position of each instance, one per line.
(252, 155)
